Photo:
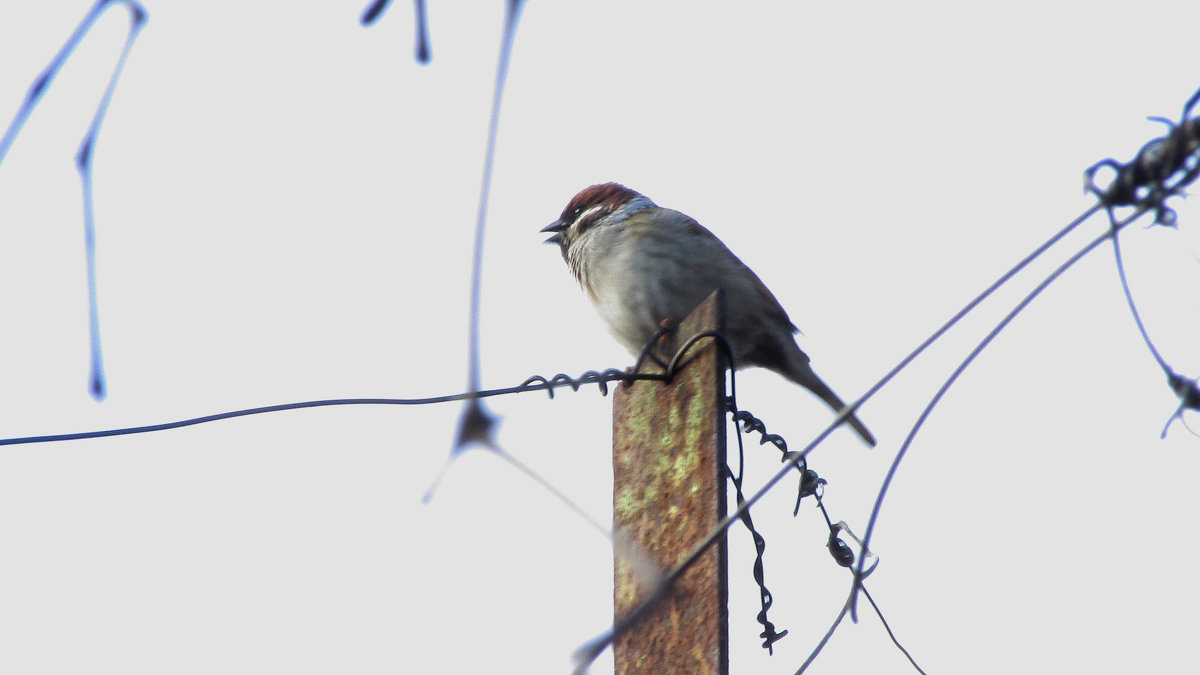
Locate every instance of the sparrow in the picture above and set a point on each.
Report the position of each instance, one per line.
(641, 264)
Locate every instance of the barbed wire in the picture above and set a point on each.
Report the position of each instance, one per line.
(1183, 387)
(648, 353)
(769, 635)
(859, 572)
(837, 621)
(1153, 200)
(1146, 180)
(97, 384)
(532, 383)
(792, 460)
(475, 423)
(810, 484)
(1160, 170)
(1145, 183)
(588, 652)
(421, 50)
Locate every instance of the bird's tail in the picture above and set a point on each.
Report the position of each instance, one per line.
(826, 394)
(801, 373)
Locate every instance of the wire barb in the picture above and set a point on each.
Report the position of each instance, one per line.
(1145, 181)
(1189, 397)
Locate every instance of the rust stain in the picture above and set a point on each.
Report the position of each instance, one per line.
(669, 492)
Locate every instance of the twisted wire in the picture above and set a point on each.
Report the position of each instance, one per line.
(534, 383)
(1145, 181)
(769, 634)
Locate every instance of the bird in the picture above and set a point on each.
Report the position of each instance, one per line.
(642, 265)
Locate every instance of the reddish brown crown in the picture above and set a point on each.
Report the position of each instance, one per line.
(609, 195)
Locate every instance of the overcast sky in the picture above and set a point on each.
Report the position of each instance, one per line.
(285, 204)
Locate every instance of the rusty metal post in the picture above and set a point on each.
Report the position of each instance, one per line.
(668, 492)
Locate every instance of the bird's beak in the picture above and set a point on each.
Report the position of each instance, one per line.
(557, 228)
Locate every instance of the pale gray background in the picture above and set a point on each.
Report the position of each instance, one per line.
(285, 204)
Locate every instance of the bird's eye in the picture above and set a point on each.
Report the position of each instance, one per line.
(576, 211)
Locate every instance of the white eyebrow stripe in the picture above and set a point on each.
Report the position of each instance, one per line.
(584, 216)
